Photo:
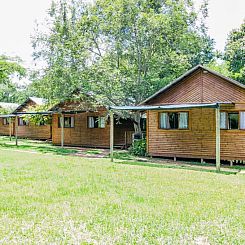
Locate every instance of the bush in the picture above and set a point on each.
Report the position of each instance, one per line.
(138, 148)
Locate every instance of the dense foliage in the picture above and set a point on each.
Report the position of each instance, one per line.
(121, 50)
(138, 148)
(11, 71)
(235, 53)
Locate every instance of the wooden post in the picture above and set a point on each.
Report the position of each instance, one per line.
(111, 134)
(16, 130)
(62, 130)
(217, 112)
(10, 128)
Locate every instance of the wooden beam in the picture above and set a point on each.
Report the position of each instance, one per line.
(217, 113)
(62, 130)
(10, 128)
(16, 130)
(111, 134)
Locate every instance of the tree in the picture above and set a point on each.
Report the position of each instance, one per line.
(121, 50)
(10, 70)
(235, 53)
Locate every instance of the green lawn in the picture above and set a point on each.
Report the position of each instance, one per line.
(47, 198)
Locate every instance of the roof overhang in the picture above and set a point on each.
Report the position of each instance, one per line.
(168, 107)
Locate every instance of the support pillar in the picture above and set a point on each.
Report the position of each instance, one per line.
(62, 130)
(217, 113)
(16, 130)
(111, 134)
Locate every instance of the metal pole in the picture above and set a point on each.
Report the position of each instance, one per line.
(111, 134)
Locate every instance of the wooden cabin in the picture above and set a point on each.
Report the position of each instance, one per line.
(5, 124)
(185, 122)
(87, 125)
(30, 130)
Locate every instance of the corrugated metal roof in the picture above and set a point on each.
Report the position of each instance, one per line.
(38, 101)
(8, 106)
(167, 107)
(189, 73)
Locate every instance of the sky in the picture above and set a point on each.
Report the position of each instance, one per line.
(17, 22)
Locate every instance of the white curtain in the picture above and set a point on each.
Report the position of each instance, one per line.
(223, 120)
(183, 120)
(72, 122)
(163, 120)
(242, 120)
(102, 122)
(91, 122)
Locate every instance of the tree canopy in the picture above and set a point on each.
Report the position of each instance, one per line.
(10, 68)
(122, 51)
(235, 53)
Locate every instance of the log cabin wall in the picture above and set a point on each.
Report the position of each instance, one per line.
(32, 131)
(4, 128)
(82, 135)
(198, 141)
(42, 132)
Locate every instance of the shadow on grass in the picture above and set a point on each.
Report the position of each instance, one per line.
(39, 148)
(155, 165)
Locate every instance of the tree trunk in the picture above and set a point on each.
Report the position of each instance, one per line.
(137, 117)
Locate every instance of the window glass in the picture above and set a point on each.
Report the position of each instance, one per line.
(68, 122)
(223, 120)
(163, 120)
(183, 120)
(173, 118)
(5, 121)
(22, 122)
(96, 122)
(242, 120)
(233, 120)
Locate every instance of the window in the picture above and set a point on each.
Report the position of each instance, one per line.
(230, 120)
(5, 121)
(173, 120)
(22, 122)
(69, 122)
(96, 122)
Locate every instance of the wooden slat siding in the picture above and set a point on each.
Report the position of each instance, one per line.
(81, 135)
(201, 88)
(4, 129)
(35, 132)
(199, 140)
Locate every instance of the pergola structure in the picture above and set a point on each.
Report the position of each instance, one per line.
(215, 106)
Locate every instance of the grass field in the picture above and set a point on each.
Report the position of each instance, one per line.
(47, 198)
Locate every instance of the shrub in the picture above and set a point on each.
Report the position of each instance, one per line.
(138, 148)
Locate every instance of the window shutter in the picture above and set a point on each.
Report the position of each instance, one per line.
(163, 120)
(242, 120)
(183, 120)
